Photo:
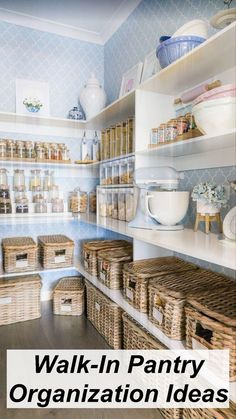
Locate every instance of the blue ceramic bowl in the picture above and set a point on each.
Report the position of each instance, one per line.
(172, 49)
(164, 38)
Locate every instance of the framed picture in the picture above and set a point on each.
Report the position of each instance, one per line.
(32, 97)
(131, 79)
(151, 66)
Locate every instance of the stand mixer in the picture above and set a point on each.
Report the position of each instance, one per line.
(159, 205)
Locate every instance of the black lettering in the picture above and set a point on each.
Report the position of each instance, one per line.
(75, 391)
(135, 361)
(222, 395)
(149, 393)
(194, 395)
(62, 366)
(58, 395)
(44, 400)
(208, 395)
(137, 398)
(106, 395)
(83, 365)
(45, 362)
(92, 396)
(16, 387)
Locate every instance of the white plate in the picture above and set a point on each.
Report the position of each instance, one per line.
(229, 224)
(223, 18)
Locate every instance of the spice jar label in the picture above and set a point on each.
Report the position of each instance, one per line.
(129, 294)
(5, 300)
(157, 315)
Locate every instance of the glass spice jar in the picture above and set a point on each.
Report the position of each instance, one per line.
(22, 207)
(48, 180)
(35, 180)
(162, 133)
(65, 154)
(3, 149)
(171, 131)
(57, 205)
(40, 151)
(54, 192)
(56, 152)
(11, 149)
(3, 177)
(41, 206)
(20, 149)
(78, 201)
(4, 192)
(19, 180)
(29, 150)
(20, 196)
(92, 201)
(5, 206)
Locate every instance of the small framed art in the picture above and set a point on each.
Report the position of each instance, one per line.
(151, 66)
(32, 97)
(131, 79)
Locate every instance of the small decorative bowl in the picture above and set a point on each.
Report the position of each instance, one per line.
(33, 109)
(174, 48)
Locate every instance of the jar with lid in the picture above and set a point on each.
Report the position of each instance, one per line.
(112, 142)
(40, 151)
(92, 201)
(129, 204)
(29, 150)
(115, 173)
(162, 133)
(171, 131)
(20, 196)
(22, 205)
(19, 180)
(108, 142)
(20, 149)
(3, 149)
(57, 205)
(102, 202)
(102, 174)
(121, 204)
(41, 206)
(95, 148)
(123, 175)
(118, 134)
(5, 206)
(78, 201)
(4, 192)
(191, 120)
(35, 180)
(130, 135)
(124, 139)
(108, 174)
(54, 192)
(103, 143)
(37, 195)
(65, 154)
(114, 204)
(154, 136)
(11, 149)
(130, 170)
(48, 180)
(56, 152)
(3, 177)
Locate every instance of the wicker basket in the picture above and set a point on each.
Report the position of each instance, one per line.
(136, 337)
(208, 414)
(105, 315)
(91, 249)
(168, 296)
(20, 299)
(110, 266)
(55, 251)
(19, 254)
(211, 323)
(136, 276)
(171, 413)
(68, 296)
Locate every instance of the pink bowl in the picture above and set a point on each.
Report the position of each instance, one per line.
(228, 90)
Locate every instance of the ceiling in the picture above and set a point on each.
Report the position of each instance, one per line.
(89, 20)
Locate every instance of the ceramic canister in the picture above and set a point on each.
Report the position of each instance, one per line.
(92, 97)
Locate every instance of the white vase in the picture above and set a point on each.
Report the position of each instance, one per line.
(203, 208)
(92, 97)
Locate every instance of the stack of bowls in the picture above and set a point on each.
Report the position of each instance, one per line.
(215, 110)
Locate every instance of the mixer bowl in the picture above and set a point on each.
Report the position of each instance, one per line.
(167, 207)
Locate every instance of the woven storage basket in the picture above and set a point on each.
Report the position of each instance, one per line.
(20, 299)
(91, 249)
(136, 276)
(171, 413)
(211, 323)
(105, 315)
(168, 296)
(136, 337)
(55, 251)
(110, 266)
(19, 254)
(208, 414)
(68, 296)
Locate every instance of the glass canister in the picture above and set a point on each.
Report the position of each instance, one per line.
(123, 149)
(123, 174)
(109, 203)
(103, 144)
(57, 205)
(118, 134)
(65, 154)
(112, 142)
(108, 174)
(92, 201)
(108, 146)
(171, 131)
(29, 150)
(102, 174)
(4, 192)
(162, 133)
(78, 201)
(102, 202)
(37, 196)
(40, 151)
(130, 135)
(130, 170)
(35, 180)
(22, 206)
(114, 213)
(11, 149)
(19, 180)
(3, 149)
(20, 196)
(154, 136)
(5, 206)
(56, 152)
(121, 204)
(41, 206)
(54, 192)
(115, 174)
(129, 204)
(95, 148)
(20, 149)
(48, 180)
(3, 177)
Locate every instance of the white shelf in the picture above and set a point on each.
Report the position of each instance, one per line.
(38, 270)
(14, 118)
(116, 296)
(55, 165)
(212, 57)
(32, 217)
(197, 245)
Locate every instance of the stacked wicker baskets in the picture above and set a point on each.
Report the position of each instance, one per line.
(110, 266)
(19, 254)
(55, 251)
(168, 296)
(211, 322)
(136, 276)
(105, 315)
(136, 337)
(68, 296)
(19, 299)
(91, 249)
(208, 414)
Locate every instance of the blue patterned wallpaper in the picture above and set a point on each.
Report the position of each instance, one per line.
(64, 63)
(140, 33)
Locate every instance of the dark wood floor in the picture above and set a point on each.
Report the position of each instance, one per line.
(56, 332)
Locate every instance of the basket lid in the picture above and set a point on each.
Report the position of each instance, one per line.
(97, 245)
(142, 331)
(17, 280)
(51, 240)
(117, 255)
(149, 268)
(218, 305)
(70, 283)
(186, 284)
(15, 242)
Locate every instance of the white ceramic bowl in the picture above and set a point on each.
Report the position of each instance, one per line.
(167, 208)
(196, 27)
(215, 115)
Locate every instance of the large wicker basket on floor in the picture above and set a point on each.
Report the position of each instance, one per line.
(19, 254)
(105, 315)
(55, 251)
(68, 296)
(19, 299)
(110, 266)
(136, 337)
(91, 249)
(168, 296)
(211, 323)
(136, 276)
(208, 414)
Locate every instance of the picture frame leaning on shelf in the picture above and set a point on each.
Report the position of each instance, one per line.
(151, 66)
(131, 79)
